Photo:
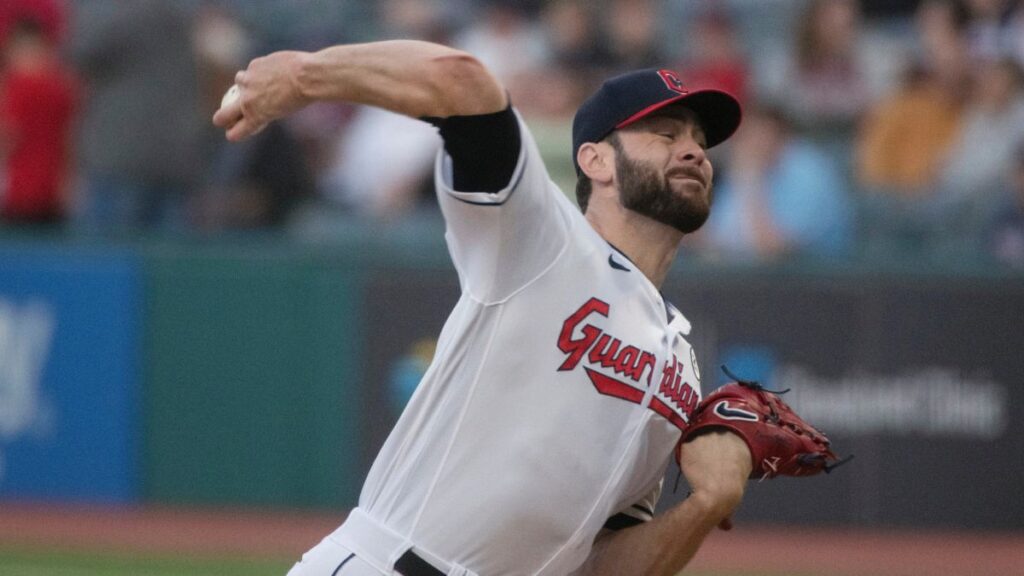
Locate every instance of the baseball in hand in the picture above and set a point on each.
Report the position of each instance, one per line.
(230, 96)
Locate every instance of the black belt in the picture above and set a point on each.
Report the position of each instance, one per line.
(410, 564)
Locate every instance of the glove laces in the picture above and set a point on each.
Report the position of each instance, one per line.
(753, 384)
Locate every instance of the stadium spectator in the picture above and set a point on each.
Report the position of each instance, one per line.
(978, 160)
(380, 164)
(1015, 33)
(783, 195)
(633, 34)
(907, 134)
(576, 61)
(508, 40)
(38, 98)
(142, 126)
(420, 19)
(49, 15)
(942, 43)
(250, 185)
(994, 29)
(714, 54)
(1005, 237)
(572, 38)
(826, 90)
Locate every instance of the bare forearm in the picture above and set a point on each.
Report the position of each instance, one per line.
(406, 76)
(663, 546)
(716, 465)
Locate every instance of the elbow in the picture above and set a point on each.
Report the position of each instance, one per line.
(463, 86)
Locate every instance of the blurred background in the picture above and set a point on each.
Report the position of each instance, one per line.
(203, 344)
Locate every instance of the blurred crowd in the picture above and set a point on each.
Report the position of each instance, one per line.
(871, 129)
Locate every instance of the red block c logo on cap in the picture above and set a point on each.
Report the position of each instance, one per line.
(672, 81)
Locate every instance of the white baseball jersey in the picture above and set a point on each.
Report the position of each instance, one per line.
(561, 383)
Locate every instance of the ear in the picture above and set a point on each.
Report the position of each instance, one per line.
(597, 161)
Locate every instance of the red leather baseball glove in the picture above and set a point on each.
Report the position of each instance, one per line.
(780, 441)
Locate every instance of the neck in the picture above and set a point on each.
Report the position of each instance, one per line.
(651, 245)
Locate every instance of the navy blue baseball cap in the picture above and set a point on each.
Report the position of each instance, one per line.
(624, 99)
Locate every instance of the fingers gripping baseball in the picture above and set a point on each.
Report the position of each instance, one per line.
(266, 90)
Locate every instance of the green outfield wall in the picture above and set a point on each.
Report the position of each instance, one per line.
(267, 371)
(252, 378)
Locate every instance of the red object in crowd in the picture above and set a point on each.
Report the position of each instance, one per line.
(36, 114)
(731, 78)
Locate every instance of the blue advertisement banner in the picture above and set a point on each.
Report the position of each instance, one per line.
(69, 375)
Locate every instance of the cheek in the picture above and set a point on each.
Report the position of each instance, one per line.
(709, 171)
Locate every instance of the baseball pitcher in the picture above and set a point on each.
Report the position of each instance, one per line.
(563, 382)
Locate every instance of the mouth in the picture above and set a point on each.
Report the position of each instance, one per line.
(687, 174)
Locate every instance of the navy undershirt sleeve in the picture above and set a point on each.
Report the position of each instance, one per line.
(484, 149)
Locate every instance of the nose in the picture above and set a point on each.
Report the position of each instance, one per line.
(691, 152)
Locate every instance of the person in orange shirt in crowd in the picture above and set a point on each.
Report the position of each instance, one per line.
(38, 99)
(906, 136)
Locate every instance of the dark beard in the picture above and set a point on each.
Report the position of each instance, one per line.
(644, 190)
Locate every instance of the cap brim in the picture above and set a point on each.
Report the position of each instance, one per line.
(719, 113)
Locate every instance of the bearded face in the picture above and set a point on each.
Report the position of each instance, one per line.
(646, 190)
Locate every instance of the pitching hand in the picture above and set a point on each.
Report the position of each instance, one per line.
(269, 91)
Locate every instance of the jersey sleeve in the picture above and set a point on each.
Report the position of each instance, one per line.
(502, 240)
